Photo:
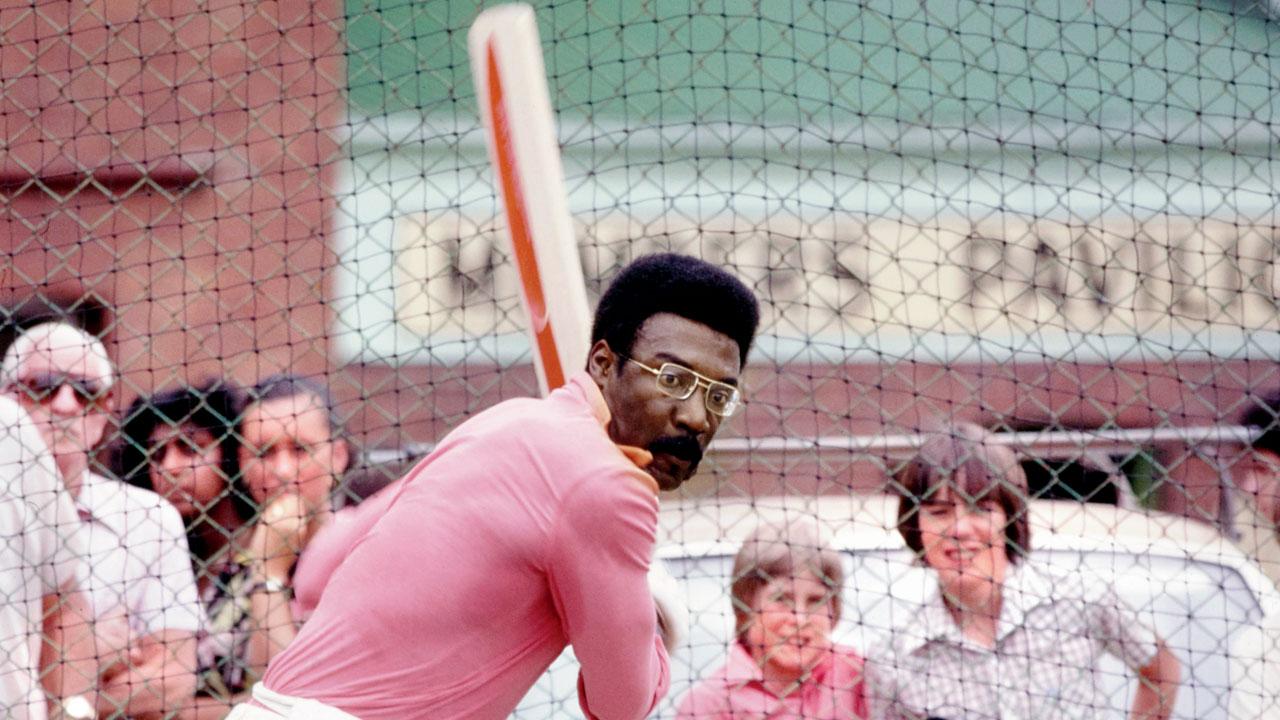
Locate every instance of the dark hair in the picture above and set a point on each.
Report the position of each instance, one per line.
(1265, 415)
(782, 551)
(213, 406)
(285, 385)
(679, 284)
(966, 460)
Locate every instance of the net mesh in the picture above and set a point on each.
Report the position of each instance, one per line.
(1056, 220)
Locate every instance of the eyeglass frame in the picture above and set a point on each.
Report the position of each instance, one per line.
(699, 381)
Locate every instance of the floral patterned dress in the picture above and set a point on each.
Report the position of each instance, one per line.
(223, 643)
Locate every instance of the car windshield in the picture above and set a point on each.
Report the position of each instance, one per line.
(1198, 607)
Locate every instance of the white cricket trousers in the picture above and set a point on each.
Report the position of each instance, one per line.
(276, 705)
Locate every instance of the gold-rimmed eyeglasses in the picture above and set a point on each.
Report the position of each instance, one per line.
(679, 382)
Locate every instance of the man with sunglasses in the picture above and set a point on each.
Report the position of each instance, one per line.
(138, 576)
(531, 526)
(45, 637)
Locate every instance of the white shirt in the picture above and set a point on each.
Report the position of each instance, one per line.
(1054, 627)
(139, 563)
(1255, 672)
(1259, 537)
(41, 549)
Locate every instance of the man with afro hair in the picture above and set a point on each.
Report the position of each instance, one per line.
(532, 526)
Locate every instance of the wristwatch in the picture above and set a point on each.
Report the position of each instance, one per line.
(78, 707)
(271, 585)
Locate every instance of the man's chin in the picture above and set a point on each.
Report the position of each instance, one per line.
(671, 474)
(667, 482)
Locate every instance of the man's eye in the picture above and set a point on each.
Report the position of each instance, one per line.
(671, 380)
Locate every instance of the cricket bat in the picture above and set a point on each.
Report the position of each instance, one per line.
(511, 88)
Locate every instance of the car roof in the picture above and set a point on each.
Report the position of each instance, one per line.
(862, 522)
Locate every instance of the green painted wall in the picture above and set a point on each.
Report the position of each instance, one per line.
(827, 63)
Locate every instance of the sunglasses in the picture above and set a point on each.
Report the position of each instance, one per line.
(681, 383)
(41, 387)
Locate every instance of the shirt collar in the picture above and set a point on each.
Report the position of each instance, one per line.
(740, 668)
(933, 624)
(1023, 590)
(581, 384)
(87, 502)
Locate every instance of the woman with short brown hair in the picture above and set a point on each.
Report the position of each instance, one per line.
(1004, 635)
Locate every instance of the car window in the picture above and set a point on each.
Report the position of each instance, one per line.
(1198, 607)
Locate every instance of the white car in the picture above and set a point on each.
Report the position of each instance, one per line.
(1204, 597)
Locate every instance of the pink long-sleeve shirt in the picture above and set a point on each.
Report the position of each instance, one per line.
(526, 529)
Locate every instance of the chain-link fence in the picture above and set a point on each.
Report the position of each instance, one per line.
(1056, 220)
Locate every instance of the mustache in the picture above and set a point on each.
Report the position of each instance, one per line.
(683, 447)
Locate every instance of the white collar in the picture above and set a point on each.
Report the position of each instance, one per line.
(1025, 588)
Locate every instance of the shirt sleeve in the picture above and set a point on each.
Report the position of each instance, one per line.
(1118, 626)
(331, 546)
(597, 571)
(168, 598)
(53, 536)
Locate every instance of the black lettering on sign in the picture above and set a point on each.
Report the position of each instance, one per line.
(867, 273)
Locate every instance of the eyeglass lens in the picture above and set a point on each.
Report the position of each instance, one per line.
(43, 386)
(681, 382)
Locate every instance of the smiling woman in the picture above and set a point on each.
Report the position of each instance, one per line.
(1001, 628)
(964, 511)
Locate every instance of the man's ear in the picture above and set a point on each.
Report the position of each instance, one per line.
(341, 457)
(601, 362)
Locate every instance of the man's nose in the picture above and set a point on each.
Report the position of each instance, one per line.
(168, 459)
(284, 466)
(692, 413)
(64, 401)
(1247, 481)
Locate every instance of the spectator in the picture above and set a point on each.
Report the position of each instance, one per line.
(45, 633)
(182, 444)
(786, 595)
(1002, 631)
(291, 456)
(138, 577)
(531, 526)
(1257, 475)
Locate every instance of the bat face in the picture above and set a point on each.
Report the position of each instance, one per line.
(511, 85)
(677, 431)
